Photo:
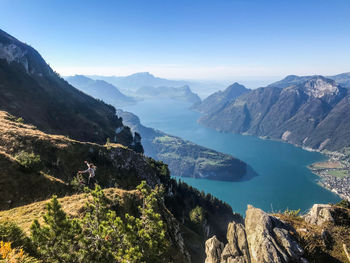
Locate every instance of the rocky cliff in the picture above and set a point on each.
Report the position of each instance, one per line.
(287, 237)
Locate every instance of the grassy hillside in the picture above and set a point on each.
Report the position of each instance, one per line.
(30, 89)
(322, 243)
(52, 161)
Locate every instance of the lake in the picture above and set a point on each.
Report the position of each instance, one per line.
(283, 180)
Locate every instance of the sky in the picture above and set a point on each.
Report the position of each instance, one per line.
(185, 39)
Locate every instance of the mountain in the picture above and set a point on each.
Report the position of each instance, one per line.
(181, 93)
(219, 99)
(31, 90)
(313, 113)
(100, 89)
(48, 129)
(186, 158)
(342, 79)
(130, 84)
(35, 166)
(135, 81)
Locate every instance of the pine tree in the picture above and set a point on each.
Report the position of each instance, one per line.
(57, 241)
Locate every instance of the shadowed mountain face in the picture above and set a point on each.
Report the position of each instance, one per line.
(219, 99)
(30, 89)
(186, 158)
(312, 112)
(100, 89)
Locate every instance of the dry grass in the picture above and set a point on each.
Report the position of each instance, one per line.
(13, 134)
(61, 158)
(73, 205)
(310, 237)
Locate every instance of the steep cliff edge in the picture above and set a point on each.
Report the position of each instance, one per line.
(322, 235)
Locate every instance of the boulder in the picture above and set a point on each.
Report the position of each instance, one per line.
(236, 250)
(263, 239)
(213, 250)
(269, 239)
(319, 214)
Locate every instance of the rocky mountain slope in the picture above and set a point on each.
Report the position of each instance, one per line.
(183, 93)
(49, 128)
(31, 90)
(186, 158)
(342, 79)
(312, 114)
(219, 99)
(320, 236)
(100, 89)
(36, 165)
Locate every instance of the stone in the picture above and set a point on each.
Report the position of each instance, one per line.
(237, 248)
(269, 239)
(319, 214)
(263, 239)
(213, 250)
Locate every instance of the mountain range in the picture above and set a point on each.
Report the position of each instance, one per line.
(130, 84)
(100, 89)
(310, 111)
(49, 128)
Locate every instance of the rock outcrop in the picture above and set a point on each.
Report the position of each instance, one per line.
(213, 249)
(320, 214)
(263, 239)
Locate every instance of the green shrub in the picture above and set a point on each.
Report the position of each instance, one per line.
(102, 236)
(28, 161)
(10, 232)
(292, 213)
(197, 215)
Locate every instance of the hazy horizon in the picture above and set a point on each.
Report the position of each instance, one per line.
(193, 40)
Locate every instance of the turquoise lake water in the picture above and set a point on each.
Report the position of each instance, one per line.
(283, 180)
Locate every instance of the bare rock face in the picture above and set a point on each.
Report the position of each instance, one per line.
(237, 249)
(319, 214)
(263, 239)
(213, 249)
(269, 239)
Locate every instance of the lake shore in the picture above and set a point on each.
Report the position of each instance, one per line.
(334, 174)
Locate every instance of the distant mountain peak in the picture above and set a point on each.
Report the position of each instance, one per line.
(319, 86)
(142, 74)
(234, 89)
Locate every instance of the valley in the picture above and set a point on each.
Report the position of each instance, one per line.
(282, 168)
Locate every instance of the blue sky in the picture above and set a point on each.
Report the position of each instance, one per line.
(185, 39)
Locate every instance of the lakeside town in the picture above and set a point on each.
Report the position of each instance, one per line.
(335, 173)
